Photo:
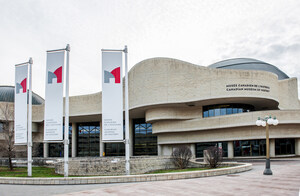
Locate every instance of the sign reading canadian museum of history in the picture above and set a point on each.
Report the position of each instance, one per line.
(248, 87)
(54, 96)
(112, 96)
(20, 125)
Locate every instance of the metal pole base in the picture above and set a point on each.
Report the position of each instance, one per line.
(268, 170)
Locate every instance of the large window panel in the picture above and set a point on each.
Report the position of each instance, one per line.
(88, 139)
(249, 148)
(57, 149)
(114, 149)
(144, 142)
(284, 146)
(200, 147)
(225, 109)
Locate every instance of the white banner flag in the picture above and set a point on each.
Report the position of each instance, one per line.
(112, 96)
(20, 125)
(54, 96)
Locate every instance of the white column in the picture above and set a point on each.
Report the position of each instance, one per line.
(230, 149)
(272, 147)
(100, 141)
(29, 140)
(297, 146)
(131, 136)
(74, 139)
(166, 150)
(46, 150)
(193, 149)
(159, 150)
(66, 139)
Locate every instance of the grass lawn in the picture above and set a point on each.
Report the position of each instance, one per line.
(45, 172)
(178, 170)
(22, 172)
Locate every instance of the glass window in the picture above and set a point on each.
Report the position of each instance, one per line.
(229, 111)
(250, 148)
(211, 113)
(88, 139)
(114, 149)
(117, 149)
(200, 147)
(223, 111)
(144, 142)
(234, 110)
(57, 149)
(217, 112)
(284, 146)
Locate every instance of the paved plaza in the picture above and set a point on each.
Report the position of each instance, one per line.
(284, 181)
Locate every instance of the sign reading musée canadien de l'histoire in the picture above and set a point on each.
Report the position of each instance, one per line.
(248, 87)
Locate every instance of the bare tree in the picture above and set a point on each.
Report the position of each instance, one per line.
(214, 156)
(7, 146)
(181, 156)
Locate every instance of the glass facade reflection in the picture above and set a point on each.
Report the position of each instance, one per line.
(1, 127)
(37, 149)
(284, 146)
(57, 149)
(250, 148)
(225, 109)
(114, 149)
(200, 147)
(144, 142)
(88, 139)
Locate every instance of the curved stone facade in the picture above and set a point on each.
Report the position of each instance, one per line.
(170, 94)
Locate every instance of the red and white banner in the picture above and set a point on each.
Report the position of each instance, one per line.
(112, 96)
(20, 125)
(53, 127)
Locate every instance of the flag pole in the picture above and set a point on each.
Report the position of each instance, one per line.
(127, 149)
(29, 140)
(66, 139)
(127, 140)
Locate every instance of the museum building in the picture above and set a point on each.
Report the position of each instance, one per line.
(173, 102)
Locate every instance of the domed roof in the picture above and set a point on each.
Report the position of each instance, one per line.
(249, 64)
(7, 94)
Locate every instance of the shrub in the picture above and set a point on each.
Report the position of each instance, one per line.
(214, 156)
(181, 156)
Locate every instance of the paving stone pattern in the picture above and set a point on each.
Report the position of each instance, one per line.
(284, 181)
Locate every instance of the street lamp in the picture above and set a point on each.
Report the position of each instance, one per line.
(265, 122)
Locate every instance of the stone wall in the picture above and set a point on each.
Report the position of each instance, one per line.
(105, 166)
(114, 165)
(128, 178)
(22, 162)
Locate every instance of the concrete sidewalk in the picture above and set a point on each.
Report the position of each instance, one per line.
(284, 181)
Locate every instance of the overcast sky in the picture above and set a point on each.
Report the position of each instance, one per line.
(200, 32)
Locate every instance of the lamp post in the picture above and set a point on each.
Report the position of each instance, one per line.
(265, 122)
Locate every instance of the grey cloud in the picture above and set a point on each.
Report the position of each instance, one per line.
(294, 47)
(285, 48)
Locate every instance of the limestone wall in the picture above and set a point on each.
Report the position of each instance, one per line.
(164, 81)
(22, 162)
(114, 165)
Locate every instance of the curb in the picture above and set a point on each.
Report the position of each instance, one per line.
(125, 179)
